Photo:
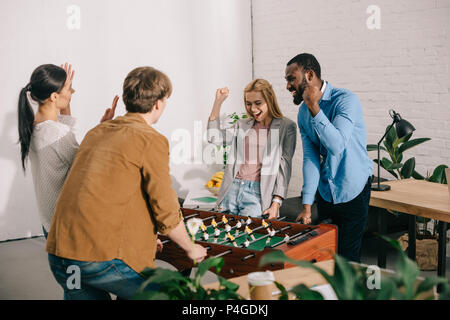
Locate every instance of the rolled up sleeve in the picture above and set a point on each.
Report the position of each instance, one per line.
(311, 169)
(335, 135)
(162, 198)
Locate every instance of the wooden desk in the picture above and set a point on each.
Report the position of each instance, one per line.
(416, 198)
(287, 277)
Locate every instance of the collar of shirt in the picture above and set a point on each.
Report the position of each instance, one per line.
(324, 86)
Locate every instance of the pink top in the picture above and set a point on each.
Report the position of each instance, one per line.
(255, 144)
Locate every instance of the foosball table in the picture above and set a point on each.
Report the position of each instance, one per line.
(242, 241)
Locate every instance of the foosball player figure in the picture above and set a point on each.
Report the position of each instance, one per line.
(271, 234)
(265, 225)
(216, 235)
(246, 243)
(205, 233)
(231, 238)
(238, 226)
(225, 223)
(214, 223)
(249, 232)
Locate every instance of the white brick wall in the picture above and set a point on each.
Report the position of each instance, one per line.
(404, 65)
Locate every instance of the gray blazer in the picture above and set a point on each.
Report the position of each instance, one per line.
(276, 161)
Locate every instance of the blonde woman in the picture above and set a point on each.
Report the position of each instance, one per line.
(258, 169)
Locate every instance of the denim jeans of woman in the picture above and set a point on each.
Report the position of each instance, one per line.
(83, 280)
(243, 198)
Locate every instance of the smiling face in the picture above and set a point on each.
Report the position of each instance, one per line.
(296, 82)
(256, 106)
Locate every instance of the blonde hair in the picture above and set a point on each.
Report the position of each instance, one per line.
(263, 86)
(144, 86)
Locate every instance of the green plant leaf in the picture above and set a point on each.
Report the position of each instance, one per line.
(386, 163)
(445, 292)
(148, 272)
(278, 256)
(393, 173)
(346, 277)
(302, 292)
(399, 157)
(227, 284)
(428, 284)
(405, 138)
(151, 295)
(160, 276)
(387, 289)
(408, 168)
(409, 271)
(390, 171)
(412, 143)
(438, 175)
(395, 166)
(284, 293)
(207, 264)
(374, 147)
(417, 176)
(390, 138)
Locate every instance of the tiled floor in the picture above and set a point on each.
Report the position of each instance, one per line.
(25, 274)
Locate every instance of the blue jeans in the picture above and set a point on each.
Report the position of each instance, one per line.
(96, 279)
(243, 198)
(350, 218)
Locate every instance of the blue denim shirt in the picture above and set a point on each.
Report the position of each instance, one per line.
(335, 159)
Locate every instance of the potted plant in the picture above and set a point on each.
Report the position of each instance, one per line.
(426, 240)
(350, 280)
(172, 285)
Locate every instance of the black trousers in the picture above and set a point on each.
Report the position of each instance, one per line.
(350, 218)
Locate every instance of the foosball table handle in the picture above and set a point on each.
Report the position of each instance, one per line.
(252, 255)
(302, 239)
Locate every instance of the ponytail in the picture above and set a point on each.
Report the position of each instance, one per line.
(44, 80)
(26, 119)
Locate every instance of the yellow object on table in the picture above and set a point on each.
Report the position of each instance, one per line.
(215, 182)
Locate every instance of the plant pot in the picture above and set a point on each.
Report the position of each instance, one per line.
(426, 251)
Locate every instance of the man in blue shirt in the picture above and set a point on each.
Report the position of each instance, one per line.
(336, 167)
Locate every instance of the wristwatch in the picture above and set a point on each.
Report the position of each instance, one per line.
(277, 200)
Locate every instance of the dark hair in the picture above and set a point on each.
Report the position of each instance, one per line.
(144, 86)
(307, 61)
(44, 80)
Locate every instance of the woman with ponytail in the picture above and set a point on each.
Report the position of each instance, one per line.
(47, 137)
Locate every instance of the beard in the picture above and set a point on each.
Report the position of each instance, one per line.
(298, 98)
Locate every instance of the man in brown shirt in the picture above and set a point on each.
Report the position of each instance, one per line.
(117, 196)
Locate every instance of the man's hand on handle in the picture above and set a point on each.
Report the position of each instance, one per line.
(305, 215)
(197, 253)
